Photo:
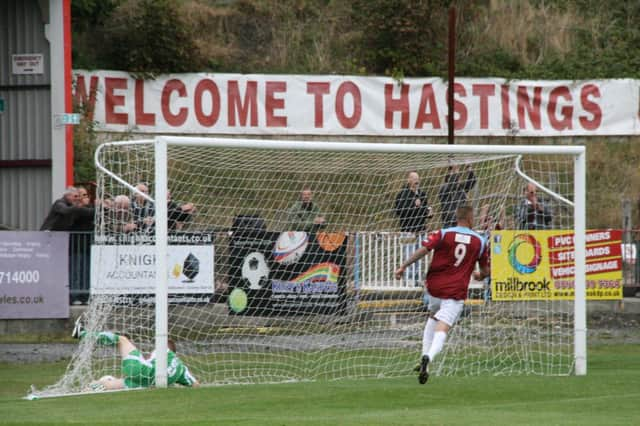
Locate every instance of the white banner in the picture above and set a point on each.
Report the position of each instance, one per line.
(350, 105)
(130, 269)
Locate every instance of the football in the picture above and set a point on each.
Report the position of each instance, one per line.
(290, 247)
(255, 269)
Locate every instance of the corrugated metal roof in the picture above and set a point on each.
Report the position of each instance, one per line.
(25, 197)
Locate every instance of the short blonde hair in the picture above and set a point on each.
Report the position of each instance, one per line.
(464, 212)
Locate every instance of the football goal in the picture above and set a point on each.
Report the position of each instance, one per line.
(273, 260)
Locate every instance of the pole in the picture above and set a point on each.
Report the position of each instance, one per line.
(452, 71)
(580, 297)
(161, 262)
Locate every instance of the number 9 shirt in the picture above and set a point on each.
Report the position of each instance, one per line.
(455, 253)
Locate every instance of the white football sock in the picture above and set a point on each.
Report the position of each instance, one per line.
(427, 336)
(436, 346)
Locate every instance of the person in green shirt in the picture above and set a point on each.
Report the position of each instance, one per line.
(138, 371)
(305, 215)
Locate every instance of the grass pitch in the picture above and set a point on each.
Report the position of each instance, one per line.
(609, 394)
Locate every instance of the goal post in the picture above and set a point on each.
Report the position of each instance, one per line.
(162, 282)
(579, 153)
(254, 296)
(580, 220)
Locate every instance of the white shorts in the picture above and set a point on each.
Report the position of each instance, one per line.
(446, 310)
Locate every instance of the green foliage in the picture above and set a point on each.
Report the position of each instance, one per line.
(84, 145)
(88, 20)
(402, 36)
(553, 39)
(152, 38)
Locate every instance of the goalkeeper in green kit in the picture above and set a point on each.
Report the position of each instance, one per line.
(138, 371)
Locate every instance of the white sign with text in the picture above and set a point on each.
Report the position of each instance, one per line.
(355, 105)
(131, 269)
(27, 63)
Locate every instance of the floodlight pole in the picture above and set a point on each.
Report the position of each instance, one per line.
(451, 72)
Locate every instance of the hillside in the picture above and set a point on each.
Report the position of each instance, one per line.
(528, 39)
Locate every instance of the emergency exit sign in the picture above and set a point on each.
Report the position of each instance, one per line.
(1, 105)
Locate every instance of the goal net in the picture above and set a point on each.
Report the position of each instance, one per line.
(280, 258)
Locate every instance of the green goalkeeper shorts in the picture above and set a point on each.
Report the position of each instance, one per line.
(137, 371)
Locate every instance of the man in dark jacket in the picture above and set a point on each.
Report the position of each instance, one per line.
(411, 206)
(412, 210)
(65, 211)
(453, 192)
(532, 213)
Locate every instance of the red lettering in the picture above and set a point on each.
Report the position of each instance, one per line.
(590, 90)
(430, 114)
(242, 107)
(175, 120)
(531, 106)
(506, 112)
(348, 88)
(484, 91)
(392, 105)
(142, 118)
(212, 88)
(566, 111)
(318, 90)
(272, 103)
(111, 100)
(459, 108)
(89, 105)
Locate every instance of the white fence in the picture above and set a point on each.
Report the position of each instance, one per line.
(379, 254)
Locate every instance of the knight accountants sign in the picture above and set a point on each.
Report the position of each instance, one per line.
(339, 105)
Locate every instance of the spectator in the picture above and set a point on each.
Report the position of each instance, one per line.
(488, 222)
(178, 214)
(411, 206)
(532, 213)
(65, 211)
(143, 210)
(120, 218)
(305, 215)
(453, 193)
(85, 222)
(80, 250)
(412, 210)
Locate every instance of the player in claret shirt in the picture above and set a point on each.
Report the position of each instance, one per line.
(138, 371)
(455, 253)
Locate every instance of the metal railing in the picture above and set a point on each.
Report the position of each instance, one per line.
(79, 266)
(378, 255)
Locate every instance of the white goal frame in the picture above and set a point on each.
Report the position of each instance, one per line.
(160, 151)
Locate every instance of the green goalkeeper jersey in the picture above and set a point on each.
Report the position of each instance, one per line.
(141, 372)
(177, 372)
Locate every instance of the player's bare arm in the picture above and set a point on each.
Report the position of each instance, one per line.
(483, 273)
(419, 254)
